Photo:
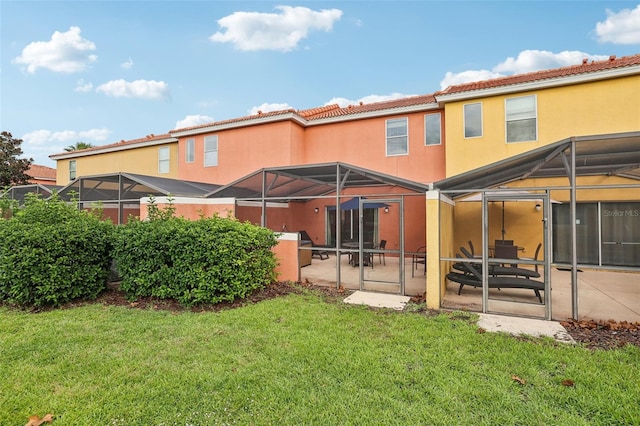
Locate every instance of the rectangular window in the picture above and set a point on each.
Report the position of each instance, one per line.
(191, 150)
(473, 120)
(397, 136)
(520, 115)
(210, 151)
(72, 169)
(163, 159)
(432, 129)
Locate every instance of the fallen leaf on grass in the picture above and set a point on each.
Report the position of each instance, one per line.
(37, 421)
(568, 382)
(518, 379)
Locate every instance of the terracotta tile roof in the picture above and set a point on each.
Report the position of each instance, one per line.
(376, 106)
(41, 172)
(327, 111)
(260, 114)
(148, 138)
(585, 67)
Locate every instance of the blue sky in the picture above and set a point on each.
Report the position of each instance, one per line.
(103, 71)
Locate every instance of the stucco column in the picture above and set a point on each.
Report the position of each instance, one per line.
(433, 249)
(440, 239)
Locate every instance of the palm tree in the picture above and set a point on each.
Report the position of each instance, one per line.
(78, 146)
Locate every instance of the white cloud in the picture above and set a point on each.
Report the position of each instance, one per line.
(193, 120)
(144, 89)
(344, 102)
(273, 31)
(65, 52)
(39, 144)
(620, 28)
(268, 108)
(43, 137)
(536, 60)
(127, 65)
(81, 86)
(527, 61)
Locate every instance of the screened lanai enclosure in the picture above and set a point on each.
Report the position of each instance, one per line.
(570, 212)
(19, 192)
(358, 228)
(119, 194)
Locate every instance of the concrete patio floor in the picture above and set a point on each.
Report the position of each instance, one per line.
(602, 294)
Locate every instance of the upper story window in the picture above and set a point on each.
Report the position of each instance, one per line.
(521, 118)
(72, 169)
(211, 151)
(397, 136)
(163, 159)
(473, 120)
(432, 129)
(191, 150)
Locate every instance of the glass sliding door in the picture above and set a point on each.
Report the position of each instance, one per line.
(620, 234)
(607, 234)
(586, 233)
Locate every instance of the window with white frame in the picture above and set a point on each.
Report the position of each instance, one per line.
(432, 129)
(163, 159)
(397, 136)
(72, 169)
(211, 151)
(191, 150)
(473, 120)
(521, 118)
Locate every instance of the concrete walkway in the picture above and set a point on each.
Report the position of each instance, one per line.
(378, 300)
(527, 326)
(489, 322)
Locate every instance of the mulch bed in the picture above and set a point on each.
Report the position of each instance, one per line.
(602, 335)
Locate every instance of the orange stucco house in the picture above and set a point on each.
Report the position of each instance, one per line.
(393, 171)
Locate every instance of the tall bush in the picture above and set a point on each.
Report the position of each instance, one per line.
(51, 253)
(209, 260)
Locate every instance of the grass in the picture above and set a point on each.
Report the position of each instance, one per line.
(299, 360)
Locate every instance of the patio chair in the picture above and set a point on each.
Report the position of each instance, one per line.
(507, 252)
(316, 250)
(419, 258)
(497, 270)
(535, 257)
(472, 277)
(473, 251)
(382, 246)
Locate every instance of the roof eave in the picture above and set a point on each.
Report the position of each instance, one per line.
(114, 148)
(540, 84)
(240, 123)
(375, 114)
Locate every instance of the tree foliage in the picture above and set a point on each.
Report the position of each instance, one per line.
(13, 170)
(78, 146)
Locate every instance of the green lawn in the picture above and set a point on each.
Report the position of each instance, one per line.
(299, 360)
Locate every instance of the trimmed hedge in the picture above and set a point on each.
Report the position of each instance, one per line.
(209, 260)
(51, 253)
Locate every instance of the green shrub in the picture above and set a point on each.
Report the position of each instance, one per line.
(51, 253)
(203, 261)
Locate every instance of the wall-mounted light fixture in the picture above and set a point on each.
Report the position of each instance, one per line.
(538, 207)
(316, 210)
(386, 209)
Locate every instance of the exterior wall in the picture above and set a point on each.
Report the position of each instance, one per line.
(242, 151)
(278, 218)
(142, 161)
(609, 106)
(192, 208)
(362, 143)
(287, 255)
